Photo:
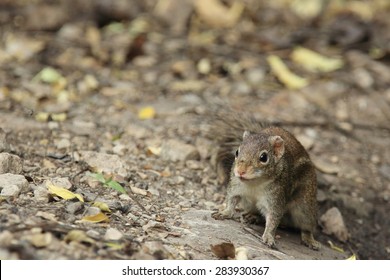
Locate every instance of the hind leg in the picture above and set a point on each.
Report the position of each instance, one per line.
(308, 239)
(303, 217)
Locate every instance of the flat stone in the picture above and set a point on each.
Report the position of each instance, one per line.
(92, 211)
(174, 150)
(62, 182)
(41, 194)
(113, 234)
(200, 231)
(63, 144)
(10, 164)
(11, 184)
(73, 207)
(332, 222)
(107, 163)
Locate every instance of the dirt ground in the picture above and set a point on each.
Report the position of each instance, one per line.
(121, 88)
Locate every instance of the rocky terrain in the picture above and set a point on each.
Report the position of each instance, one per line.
(103, 150)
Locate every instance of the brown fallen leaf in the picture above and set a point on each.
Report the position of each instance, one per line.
(224, 250)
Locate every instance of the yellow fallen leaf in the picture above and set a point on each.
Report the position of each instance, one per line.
(334, 247)
(216, 14)
(315, 62)
(115, 246)
(48, 75)
(102, 206)
(63, 193)
(147, 112)
(154, 151)
(284, 75)
(100, 217)
(352, 258)
(59, 117)
(78, 236)
(42, 116)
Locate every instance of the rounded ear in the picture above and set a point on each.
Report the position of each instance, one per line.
(277, 144)
(246, 134)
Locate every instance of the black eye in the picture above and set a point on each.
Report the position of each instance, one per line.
(237, 153)
(264, 157)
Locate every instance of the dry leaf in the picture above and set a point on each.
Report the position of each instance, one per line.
(63, 193)
(78, 236)
(326, 167)
(147, 112)
(215, 14)
(284, 75)
(100, 217)
(224, 250)
(115, 246)
(307, 9)
(334, 247)
(49, 75)
(315, 62)
(102, 206)
(42, 116)
(352, 258)
(139, 191)
(59, 117)
(154, 151)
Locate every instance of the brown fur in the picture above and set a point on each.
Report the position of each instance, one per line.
(283, 188)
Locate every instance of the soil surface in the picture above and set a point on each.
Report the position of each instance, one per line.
(118, 91)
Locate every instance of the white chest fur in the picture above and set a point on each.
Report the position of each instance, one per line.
(253, 194)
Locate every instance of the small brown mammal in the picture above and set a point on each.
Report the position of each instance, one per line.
(273, 174)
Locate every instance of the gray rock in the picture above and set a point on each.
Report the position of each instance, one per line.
(63, 144)
(92, 211)
(62, 182)
(4, 147)
(41, 194)
(332, 222)
(93, 234)
(174, 150)
(6, 238)
(10, 164)
(113, 234)
(255, 76)
(200, 230)
(11, 184)
(384, 170)
(73, 207)
(194, 164)
(107, 163)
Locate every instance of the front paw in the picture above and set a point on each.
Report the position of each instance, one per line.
(221, 215)
(269, 240)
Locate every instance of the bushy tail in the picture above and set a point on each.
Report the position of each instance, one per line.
(226, 127)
